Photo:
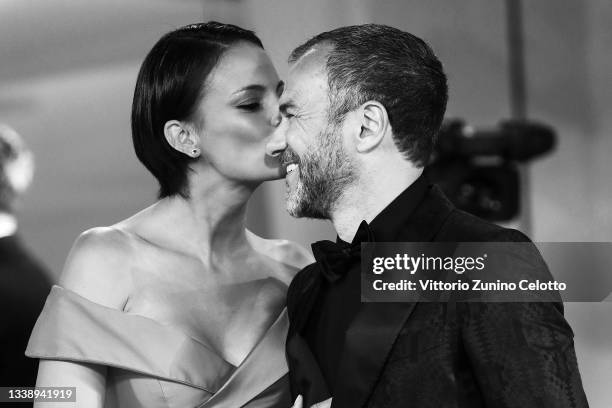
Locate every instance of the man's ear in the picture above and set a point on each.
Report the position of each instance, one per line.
(182, 138)
(374, 125)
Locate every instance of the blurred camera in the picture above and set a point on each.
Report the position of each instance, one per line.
(478, 169)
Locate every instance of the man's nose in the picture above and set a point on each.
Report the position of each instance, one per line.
(278, 141)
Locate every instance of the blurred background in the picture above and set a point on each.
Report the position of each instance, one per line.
(68, 68)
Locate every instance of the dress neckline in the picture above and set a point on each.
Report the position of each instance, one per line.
(201, 340)
(140, 344)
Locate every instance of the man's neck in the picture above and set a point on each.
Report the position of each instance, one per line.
(365, 199)
(8, 225)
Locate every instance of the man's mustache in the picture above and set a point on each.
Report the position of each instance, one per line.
(289, 156)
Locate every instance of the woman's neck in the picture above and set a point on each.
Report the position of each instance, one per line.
(210, 224)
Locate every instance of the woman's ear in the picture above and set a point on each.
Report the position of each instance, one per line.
(182, 138)
(374, 126)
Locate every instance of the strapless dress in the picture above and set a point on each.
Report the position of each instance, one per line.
(154, 365)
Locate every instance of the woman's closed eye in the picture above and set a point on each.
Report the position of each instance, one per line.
(250, 106)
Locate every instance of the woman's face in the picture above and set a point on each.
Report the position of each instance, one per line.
(239, 112)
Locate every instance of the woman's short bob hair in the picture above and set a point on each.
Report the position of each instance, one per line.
(170, 85)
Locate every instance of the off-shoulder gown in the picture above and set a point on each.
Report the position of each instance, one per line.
(155, 365)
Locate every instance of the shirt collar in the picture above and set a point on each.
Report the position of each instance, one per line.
(393, 217)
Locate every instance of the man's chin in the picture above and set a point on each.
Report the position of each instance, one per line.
(294, 209)
(302, 210)
(294, 202)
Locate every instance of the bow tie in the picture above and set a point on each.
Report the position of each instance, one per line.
(334, 259)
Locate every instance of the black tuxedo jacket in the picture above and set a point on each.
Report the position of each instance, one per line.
(440, 354)
(24, 286)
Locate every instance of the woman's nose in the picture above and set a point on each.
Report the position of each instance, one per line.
(276, 119)
(277, 143)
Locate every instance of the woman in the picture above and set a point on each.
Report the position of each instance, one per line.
(180, 305)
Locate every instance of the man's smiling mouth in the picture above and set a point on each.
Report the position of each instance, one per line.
(292, 167)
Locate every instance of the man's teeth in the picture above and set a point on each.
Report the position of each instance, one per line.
(291, 167)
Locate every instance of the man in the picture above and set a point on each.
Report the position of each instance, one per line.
(361, 107)
(24, 284)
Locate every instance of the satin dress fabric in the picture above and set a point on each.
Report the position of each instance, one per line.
(155, 365)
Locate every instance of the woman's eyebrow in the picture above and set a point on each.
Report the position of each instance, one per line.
(254, 87)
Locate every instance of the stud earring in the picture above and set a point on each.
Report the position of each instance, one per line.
(195, 152)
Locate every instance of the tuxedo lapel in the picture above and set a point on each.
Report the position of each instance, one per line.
(372, 333)
(301, 297)
(306, 377)
(367, 344)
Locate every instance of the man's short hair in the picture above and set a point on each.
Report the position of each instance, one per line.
(390, 66)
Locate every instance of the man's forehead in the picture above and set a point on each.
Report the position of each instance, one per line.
(308, 74)
(311, 63)
(315, 56)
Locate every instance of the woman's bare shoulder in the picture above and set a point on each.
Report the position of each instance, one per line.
(98, 266)
(283, 251)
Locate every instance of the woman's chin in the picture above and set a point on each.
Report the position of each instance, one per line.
(272, 177)
(261, 177)
(272, 173)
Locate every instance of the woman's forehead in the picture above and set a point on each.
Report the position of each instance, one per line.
(240, 66)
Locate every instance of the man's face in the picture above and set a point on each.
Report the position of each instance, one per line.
(318, 168)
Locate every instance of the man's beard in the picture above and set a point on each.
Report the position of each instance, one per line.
(323, 175)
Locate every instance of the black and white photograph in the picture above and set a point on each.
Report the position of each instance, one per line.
(305, 204)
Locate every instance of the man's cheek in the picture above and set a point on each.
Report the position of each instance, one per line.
(311, 124)
(304, 128)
